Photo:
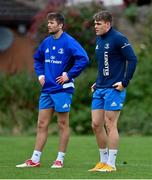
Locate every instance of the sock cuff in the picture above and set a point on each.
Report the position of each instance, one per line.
(38, 152)
(103, 150)
(113, 150)
(61, 153)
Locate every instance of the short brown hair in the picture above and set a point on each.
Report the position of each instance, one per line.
(56, 16)
(105, 16)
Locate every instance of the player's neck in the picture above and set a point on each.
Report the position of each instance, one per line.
(108, 28)
(58, 34)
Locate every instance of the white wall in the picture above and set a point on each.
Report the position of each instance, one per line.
(105, 2)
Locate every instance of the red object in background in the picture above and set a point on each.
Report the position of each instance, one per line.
(53, 5)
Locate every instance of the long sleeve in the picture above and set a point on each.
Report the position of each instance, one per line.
(39, 61)
(129, 54)
(80, 57)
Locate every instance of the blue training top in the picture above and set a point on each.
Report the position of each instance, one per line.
(55, 56)
(116, 59)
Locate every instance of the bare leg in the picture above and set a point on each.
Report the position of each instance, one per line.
(44, 119)
(111, 119)
(63, 124)
(98, 128)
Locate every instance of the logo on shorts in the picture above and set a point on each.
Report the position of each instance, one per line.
(65, 106)
(121, 105)
(113, 104)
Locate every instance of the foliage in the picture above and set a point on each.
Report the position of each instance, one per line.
(131, 13)
(18, 97)
(39, 18)
(136, 117)
(79, 23)
(20, 92)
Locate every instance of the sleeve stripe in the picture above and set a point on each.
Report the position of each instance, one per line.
(125, 46)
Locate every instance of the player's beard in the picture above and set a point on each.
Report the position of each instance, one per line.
(54, 32)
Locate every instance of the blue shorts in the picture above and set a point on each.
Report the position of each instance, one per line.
(108, 99)
(60, 102)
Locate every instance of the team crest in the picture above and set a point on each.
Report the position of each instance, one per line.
(106, 46)
(61, 51)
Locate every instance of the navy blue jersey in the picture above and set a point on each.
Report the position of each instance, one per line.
(55, 56)
(116, 59)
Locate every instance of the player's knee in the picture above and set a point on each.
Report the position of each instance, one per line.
(107, 126)
(109, 123)
(62, 124)
(95, 125)
(41, 124)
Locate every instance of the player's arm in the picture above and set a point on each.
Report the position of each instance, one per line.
(77, 62)
(119, 86)
(129, 54)
(39, 65)
(62, 79)
(81, 59)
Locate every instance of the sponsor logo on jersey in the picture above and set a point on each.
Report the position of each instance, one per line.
(106, 64)
(52, 57)
(56, 62)
(47, 60)
(53, 47)
(53, 61)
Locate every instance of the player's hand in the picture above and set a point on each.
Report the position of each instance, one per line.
(62, 79)
(42, 80)
(118, 86)
(93, 87)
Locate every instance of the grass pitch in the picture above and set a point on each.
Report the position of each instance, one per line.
(134, 159)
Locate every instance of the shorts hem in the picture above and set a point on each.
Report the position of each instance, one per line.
(117, 109)
(62, 111)
(105, 109)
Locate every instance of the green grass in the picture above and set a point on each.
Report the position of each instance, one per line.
(82, 154)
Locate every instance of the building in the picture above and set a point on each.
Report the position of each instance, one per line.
(16, 47)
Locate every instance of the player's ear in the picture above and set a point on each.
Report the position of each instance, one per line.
(108, 23)
(61, 26)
